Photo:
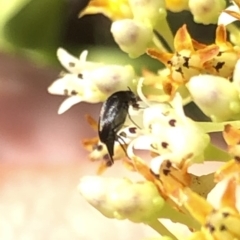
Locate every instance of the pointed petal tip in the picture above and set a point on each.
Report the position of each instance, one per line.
(183, 40)
(61, 52)
(57, 87)
(68, 103)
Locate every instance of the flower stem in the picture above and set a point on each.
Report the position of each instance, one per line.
(160, 228)
(163, 29)
(168, 212)
(217, 127)
(156, 43)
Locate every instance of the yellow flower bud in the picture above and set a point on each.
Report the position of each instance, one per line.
(121, 198)
(132, 36)
(216, 96)
(206, 11)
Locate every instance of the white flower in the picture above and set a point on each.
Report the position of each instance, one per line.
(88, 81)
(77, 89)
(226, 18)
(169, 133)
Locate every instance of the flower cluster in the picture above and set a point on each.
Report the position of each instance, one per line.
(203, 68)
(207, 75)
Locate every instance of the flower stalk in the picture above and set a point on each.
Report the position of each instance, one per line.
(163, 29)
(161, 229)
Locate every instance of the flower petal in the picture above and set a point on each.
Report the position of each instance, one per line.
(92, 122)
(231, 135)
(229, 195)
(160, 56)
(228, 169)
(68, 85)
(73, 64)
(141, 143)
(68, 61)
(221, 40)
(233, 14)
(183, 40)
(89, 144)
(68, 103)
(236, 2)
(226, 18)
(196, 205)
(208, 53)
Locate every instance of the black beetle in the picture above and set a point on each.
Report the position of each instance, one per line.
(112, 117)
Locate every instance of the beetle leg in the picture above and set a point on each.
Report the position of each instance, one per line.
(120, 138)
(126, 107)
(133, 121)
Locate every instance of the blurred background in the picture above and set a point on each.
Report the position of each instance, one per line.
(41, 157)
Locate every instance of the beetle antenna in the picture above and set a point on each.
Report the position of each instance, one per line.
(129, 89)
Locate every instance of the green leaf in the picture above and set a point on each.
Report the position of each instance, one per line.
(36, 25)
